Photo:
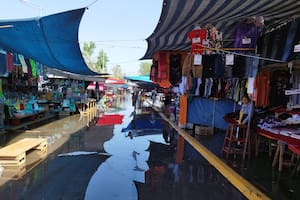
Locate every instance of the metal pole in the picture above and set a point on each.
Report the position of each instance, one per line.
(248, 131)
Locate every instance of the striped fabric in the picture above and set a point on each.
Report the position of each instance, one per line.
(178, 17)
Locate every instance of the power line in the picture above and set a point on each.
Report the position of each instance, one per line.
(92, 3)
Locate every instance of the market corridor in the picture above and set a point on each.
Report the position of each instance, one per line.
(102, 162)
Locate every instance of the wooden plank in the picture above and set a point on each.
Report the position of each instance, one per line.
(15, 149)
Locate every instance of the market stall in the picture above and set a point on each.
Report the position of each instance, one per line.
(222, 50)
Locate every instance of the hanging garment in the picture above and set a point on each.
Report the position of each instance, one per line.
(175, 68)
(238, 69)
(23, 63)
(197, 37)
(290, 39)
(214, 88)
(246, 31)
(279, 83)
(281, 43)
(187, 64)
(10, 62)
(251, 66)
(219, 65)
(296, 85)
(40, 69)
(33, 68)
(29, 69)
(199, 82)
(228, 72)
(262, 88)
(3, 65)
(208, 65)
(16, 59)
(214, 40)
(154, 71)
(162, 67)
(197, 71)
(182, 85)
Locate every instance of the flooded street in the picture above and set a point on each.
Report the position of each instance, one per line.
(102, 162)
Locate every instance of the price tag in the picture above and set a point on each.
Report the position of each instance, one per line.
(196, 40)
(246, 41)
(198, 59)
(229, 59)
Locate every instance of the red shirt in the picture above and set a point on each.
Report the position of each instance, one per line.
(197, 37)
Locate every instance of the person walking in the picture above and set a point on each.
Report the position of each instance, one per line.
(153, 95)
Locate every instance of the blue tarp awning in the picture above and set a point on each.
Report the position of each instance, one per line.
(209, 112)
(141, 81)
(51, 40)
(139, 78)
(179, 17)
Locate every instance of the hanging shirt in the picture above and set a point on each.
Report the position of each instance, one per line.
(162, 67)
(3, 64)
(197, 37)
(33, 68)
(10, 62)
(23, 63)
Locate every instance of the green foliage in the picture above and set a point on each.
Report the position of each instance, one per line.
(144, 68)
(117, 72)
(100, 63)
(102, 60)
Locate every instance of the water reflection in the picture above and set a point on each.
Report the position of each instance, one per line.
(116, 177)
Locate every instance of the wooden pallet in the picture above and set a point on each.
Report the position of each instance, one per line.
(14, 155)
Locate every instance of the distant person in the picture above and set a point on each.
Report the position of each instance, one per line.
(153, 95)
(246, 111)
(134, 97)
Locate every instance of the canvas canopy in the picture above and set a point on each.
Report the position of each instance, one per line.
(51, 40)
(180, 17)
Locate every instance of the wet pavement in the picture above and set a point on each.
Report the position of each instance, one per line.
(107, 164)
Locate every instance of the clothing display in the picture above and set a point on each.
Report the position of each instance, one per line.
(246, 35)
(296, 84)
(3, 65)
(162, 67)
(262, 88)
(175, 68)
(251, 66)
(154, 71)
(214, 40)
(197, 37)
(187, 64)
(279, 83)
(10, 62)
(23, 63)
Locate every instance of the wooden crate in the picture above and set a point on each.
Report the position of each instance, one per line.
(203, 131)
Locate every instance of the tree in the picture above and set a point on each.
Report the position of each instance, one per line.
(102, 60)
(117, 72)
(88, 51)
(100, 65)
(144, 68)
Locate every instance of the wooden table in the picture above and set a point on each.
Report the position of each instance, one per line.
(282, 141)
(23, 116)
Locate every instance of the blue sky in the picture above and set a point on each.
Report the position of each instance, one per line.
(118, 27)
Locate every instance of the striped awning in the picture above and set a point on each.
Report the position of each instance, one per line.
(178, 17)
